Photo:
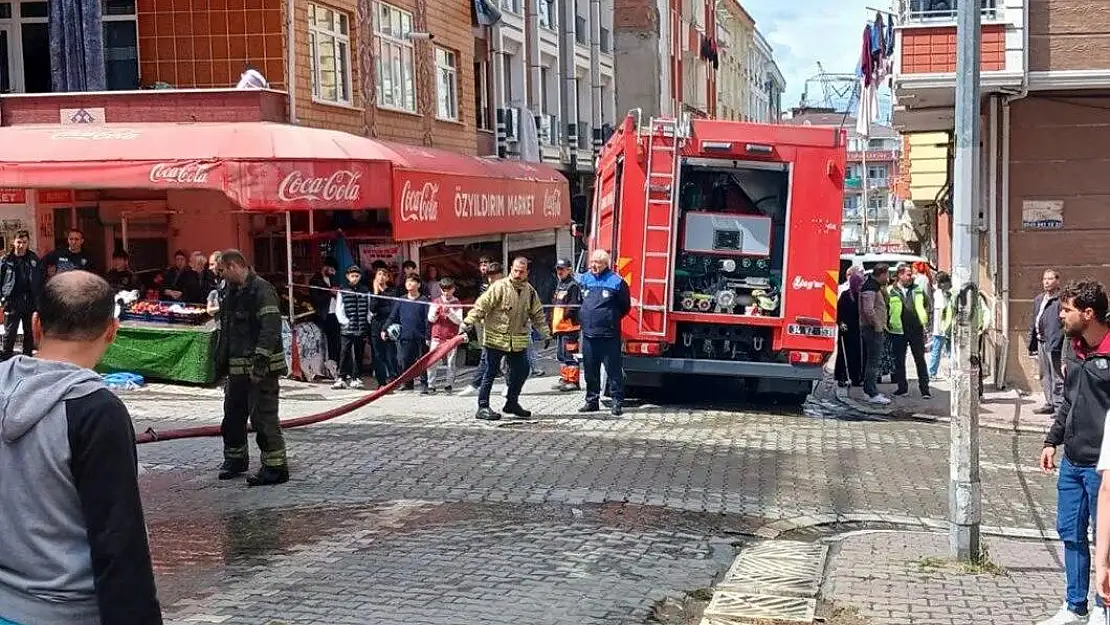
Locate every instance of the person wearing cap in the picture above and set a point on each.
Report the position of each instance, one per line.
(445, 316)
(323, 288)
(352, 312)
(565, 326)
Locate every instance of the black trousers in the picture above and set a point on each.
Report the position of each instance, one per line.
(332, 336)
(410, 350)
(383, 356)
(595, 353)
(12, 319)
(518, 374)
(352, 351)
(257, 402)
(914, 341)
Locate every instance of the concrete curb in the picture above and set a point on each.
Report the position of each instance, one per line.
(893, 413)
(776, 529)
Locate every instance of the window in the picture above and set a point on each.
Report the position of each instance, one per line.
(121, 44)
(943, 10)
(877, 173)
(329, 43)
(396, 71)
(547, 14)
(447, 85)
(483, 119)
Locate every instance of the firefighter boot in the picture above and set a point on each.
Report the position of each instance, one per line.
(233, 468)
(269, 476)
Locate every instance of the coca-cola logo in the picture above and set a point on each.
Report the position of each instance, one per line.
(181, 173)
(552, 205)
(419, 205)
(341, 186)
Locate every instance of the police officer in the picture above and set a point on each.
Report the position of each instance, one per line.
(251, 349)
(605, 302)
(20, 287)
(565, 326)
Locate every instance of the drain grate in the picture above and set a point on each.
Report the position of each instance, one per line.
(734, 608)
(786, 568)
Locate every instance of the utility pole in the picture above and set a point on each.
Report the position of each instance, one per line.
(965, 495)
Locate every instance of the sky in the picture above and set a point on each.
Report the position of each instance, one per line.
(803, 32)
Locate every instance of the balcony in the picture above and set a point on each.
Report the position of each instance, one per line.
(925, 59)
(933, 11)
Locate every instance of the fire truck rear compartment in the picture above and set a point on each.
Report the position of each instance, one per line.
(731, 236)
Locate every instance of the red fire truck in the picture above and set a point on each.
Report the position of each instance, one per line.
(728, 235)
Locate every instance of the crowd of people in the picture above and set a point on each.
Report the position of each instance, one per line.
(402, 322)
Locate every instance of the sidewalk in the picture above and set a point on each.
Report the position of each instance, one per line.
(901, 578)
(1007, 410)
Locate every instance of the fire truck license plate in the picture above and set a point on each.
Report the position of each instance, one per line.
(822, 331)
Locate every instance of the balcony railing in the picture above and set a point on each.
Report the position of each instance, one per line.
(942, 10)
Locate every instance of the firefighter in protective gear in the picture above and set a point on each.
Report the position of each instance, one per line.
(251, 349)
(565, 326)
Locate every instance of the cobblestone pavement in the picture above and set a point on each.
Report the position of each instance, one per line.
(899, 577)
(412, 511)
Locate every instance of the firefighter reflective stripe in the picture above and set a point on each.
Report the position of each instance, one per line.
(274, 458)
(831, 288)
(268, 310)
(236, 453)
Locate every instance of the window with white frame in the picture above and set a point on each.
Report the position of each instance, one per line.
(329, 42)
(447, 84)
(396, 69)
(25, 45)
(482, 111)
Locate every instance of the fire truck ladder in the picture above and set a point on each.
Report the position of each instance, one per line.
(660, 193)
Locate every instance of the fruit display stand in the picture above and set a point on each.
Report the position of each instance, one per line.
(162, 341)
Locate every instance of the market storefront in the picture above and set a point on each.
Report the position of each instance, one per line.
(285, 195)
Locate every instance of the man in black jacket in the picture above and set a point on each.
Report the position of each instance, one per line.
(20, 285)
(1079, 424)
(324, 286)
(1046, 341)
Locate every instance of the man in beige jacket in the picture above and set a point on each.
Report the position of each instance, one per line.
(873, 314)
(504, 311)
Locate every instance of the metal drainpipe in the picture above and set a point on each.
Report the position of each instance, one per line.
(500, 91)
(535, 73)
(595, 73)
(570, 77)
(291, 61)
(1004, 219)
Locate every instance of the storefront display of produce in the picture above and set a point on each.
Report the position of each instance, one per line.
(302, 309)
(165, 312)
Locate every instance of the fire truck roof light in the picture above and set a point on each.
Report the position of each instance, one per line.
(757, 148)
(716, 145)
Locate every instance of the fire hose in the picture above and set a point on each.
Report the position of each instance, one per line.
(420, 366)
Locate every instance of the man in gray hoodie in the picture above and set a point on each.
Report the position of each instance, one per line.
(73, 540)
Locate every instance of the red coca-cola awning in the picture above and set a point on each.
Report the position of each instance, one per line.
(265, 166)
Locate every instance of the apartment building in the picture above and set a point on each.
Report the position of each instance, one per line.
(549, 63)
(1045, 140)
(424, 93)
(765, 82)
(668, 56)
(872, 169)
(736, 33)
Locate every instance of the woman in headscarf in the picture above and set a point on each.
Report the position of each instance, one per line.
(849, 359)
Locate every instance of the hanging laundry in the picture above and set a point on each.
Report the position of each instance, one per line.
(714, 54)
(865, 58)
(890, 37)
(880, 35)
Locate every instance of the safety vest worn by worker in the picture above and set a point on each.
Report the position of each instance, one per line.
(567, 298)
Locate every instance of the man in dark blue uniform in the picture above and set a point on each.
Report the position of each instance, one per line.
(605, 302)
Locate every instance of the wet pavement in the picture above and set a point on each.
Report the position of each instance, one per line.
(410, 511)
